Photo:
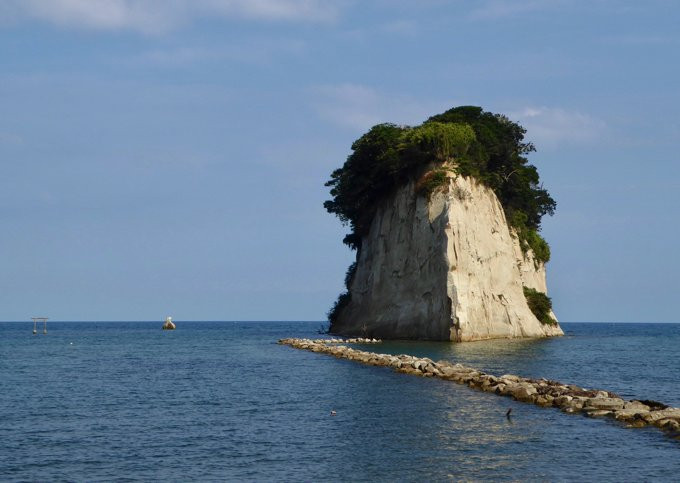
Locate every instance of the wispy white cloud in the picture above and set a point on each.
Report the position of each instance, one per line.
(256, 52)
(493, 9)
(157, 16)
(642, 40)
(501, 9)
(551, 127)
(359, 107)
(306, 10)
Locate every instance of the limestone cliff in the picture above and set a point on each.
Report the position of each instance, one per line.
(447, 267)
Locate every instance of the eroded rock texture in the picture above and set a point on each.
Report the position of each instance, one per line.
(444, 268)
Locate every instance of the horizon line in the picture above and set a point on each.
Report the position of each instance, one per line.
(315, 321)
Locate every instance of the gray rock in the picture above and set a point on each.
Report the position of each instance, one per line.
(563, 400)
(523, 392)
(670, 413)
(670, 424)
(636, 405)
(599, 413)
(605, 403)
(629, 414)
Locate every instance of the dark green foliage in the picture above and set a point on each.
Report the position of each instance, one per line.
(436, 140)
(430, 181)
(529, 238)
(349, 275)
(481, 144)
(540, 305)
(368, 175)
(497, 158)
(343, 299)
(383, 159)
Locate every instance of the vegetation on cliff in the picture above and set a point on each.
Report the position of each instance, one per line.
(540, 305)
(385, 158)
(489, 147)
(466, 140)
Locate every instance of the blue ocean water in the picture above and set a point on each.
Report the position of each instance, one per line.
(222, 401)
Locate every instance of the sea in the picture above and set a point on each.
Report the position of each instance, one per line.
(222, 401)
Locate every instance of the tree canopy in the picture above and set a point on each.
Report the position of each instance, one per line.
(498, 159)
(487, 146)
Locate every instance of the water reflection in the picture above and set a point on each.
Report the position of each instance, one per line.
(633, 360)
(448, 425)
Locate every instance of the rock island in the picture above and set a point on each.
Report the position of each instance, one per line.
(445, 220)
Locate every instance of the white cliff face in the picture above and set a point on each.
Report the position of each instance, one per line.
(448, 268)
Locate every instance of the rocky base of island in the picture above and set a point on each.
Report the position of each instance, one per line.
(542, 392)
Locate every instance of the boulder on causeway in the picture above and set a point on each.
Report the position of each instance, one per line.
(670, 413)
(604, 403)
(670, 424)
(599, 413)
(523, 392)
(636, 405)
(630, 414)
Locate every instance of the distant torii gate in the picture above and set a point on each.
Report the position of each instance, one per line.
(35, 324)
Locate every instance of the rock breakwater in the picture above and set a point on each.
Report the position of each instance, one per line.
(541, 392)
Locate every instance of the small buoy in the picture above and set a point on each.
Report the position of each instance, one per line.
(333, 413)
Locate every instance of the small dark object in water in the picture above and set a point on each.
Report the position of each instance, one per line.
(507, 415)
(333, 413)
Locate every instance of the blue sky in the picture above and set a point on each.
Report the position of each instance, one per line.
(168, 157)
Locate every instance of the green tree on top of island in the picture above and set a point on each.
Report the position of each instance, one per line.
(489, 147)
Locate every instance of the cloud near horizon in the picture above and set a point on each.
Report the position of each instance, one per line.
(159, 16)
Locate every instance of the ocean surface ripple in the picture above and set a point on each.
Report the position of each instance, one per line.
(105, 401)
